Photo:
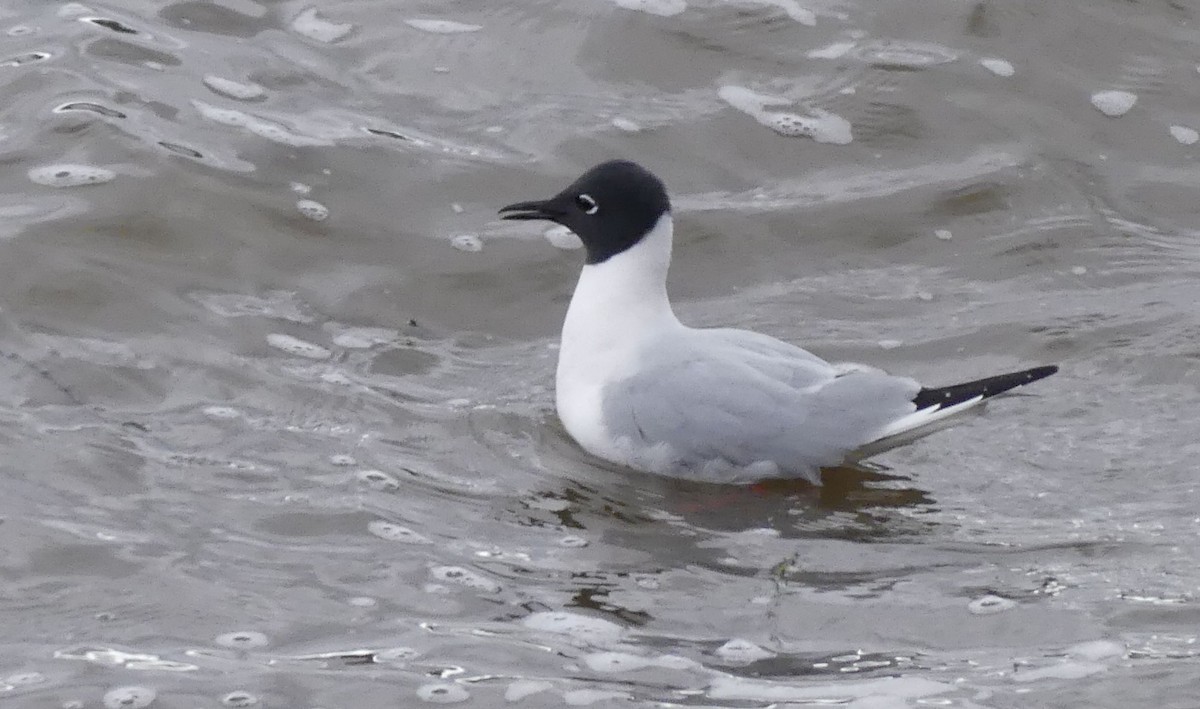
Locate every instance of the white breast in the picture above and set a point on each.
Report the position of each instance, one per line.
(617, 306)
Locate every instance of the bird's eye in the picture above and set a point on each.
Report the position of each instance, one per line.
(586, 204)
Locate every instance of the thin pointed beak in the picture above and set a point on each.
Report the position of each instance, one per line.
(538, 209)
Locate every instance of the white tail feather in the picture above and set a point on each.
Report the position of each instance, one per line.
(916, 425)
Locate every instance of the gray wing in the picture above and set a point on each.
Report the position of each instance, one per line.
(745, 400)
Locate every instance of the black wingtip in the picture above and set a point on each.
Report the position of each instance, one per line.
(987, 388)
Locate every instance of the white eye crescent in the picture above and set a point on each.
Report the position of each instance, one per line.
(586, 204)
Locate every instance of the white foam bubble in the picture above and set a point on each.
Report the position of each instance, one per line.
(752, 102)
(794, 10)
(256, 126)
(907, 55)
(626, 125)
(890, 344)
(377, 480)
(523, 688)
(442, 693)
(222, 412)
(584, 628)
(464, 577)
(129, 697)
(361, 338)
(1079, 270)
(23, 679)
(239, 698)
(742, 652)
(1068, 669)
(396, 654)
(310, 25)
(662, 8)
(74, 9)
(296, 346)
(944, 234)
(832, 51)
(313, 209)
(1184, 135)
(609, 662)
(572, 541)
(562, 237)
(726, 687)
(822, 126)
(1114, 103)
(69, 175)
(441, 26)
(467, 242)
(989, 604)
(242, 91)
(1097, 650)
(243, 639)
(396, 532)
(587, 697)
(999, 67)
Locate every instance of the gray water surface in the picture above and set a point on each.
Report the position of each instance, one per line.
(277, 396)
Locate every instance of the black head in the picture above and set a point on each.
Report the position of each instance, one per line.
(610, 207)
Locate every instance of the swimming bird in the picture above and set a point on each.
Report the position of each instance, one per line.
(638, 388)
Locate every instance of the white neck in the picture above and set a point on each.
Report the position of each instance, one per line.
(617, 301)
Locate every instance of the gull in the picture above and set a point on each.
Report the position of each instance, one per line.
(638, 388)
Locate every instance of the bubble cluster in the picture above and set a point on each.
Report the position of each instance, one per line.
(313, 209)
(989, 604)
(242, 91)
(129, 697)
(396, 654)
(625, 124)
(464, 577)
(239, 698)
(310, 25)
(832, 51)
(296, 346)
(441, 26)
(257, 126)
(587, 697)
(378, 480)
(467, 242)
(742, 652)
(361, 338)
(572, 541)
(395, 532)
(1114, 103)
(662, 8)
(794, 10)
(610, 662)
(890, 54)
(23, 679)
(442, 693)
(999, 67)
(1185, 135)
(822, 126)
(523, 688)
(67, 175)
(246, 639)
(583, 628)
